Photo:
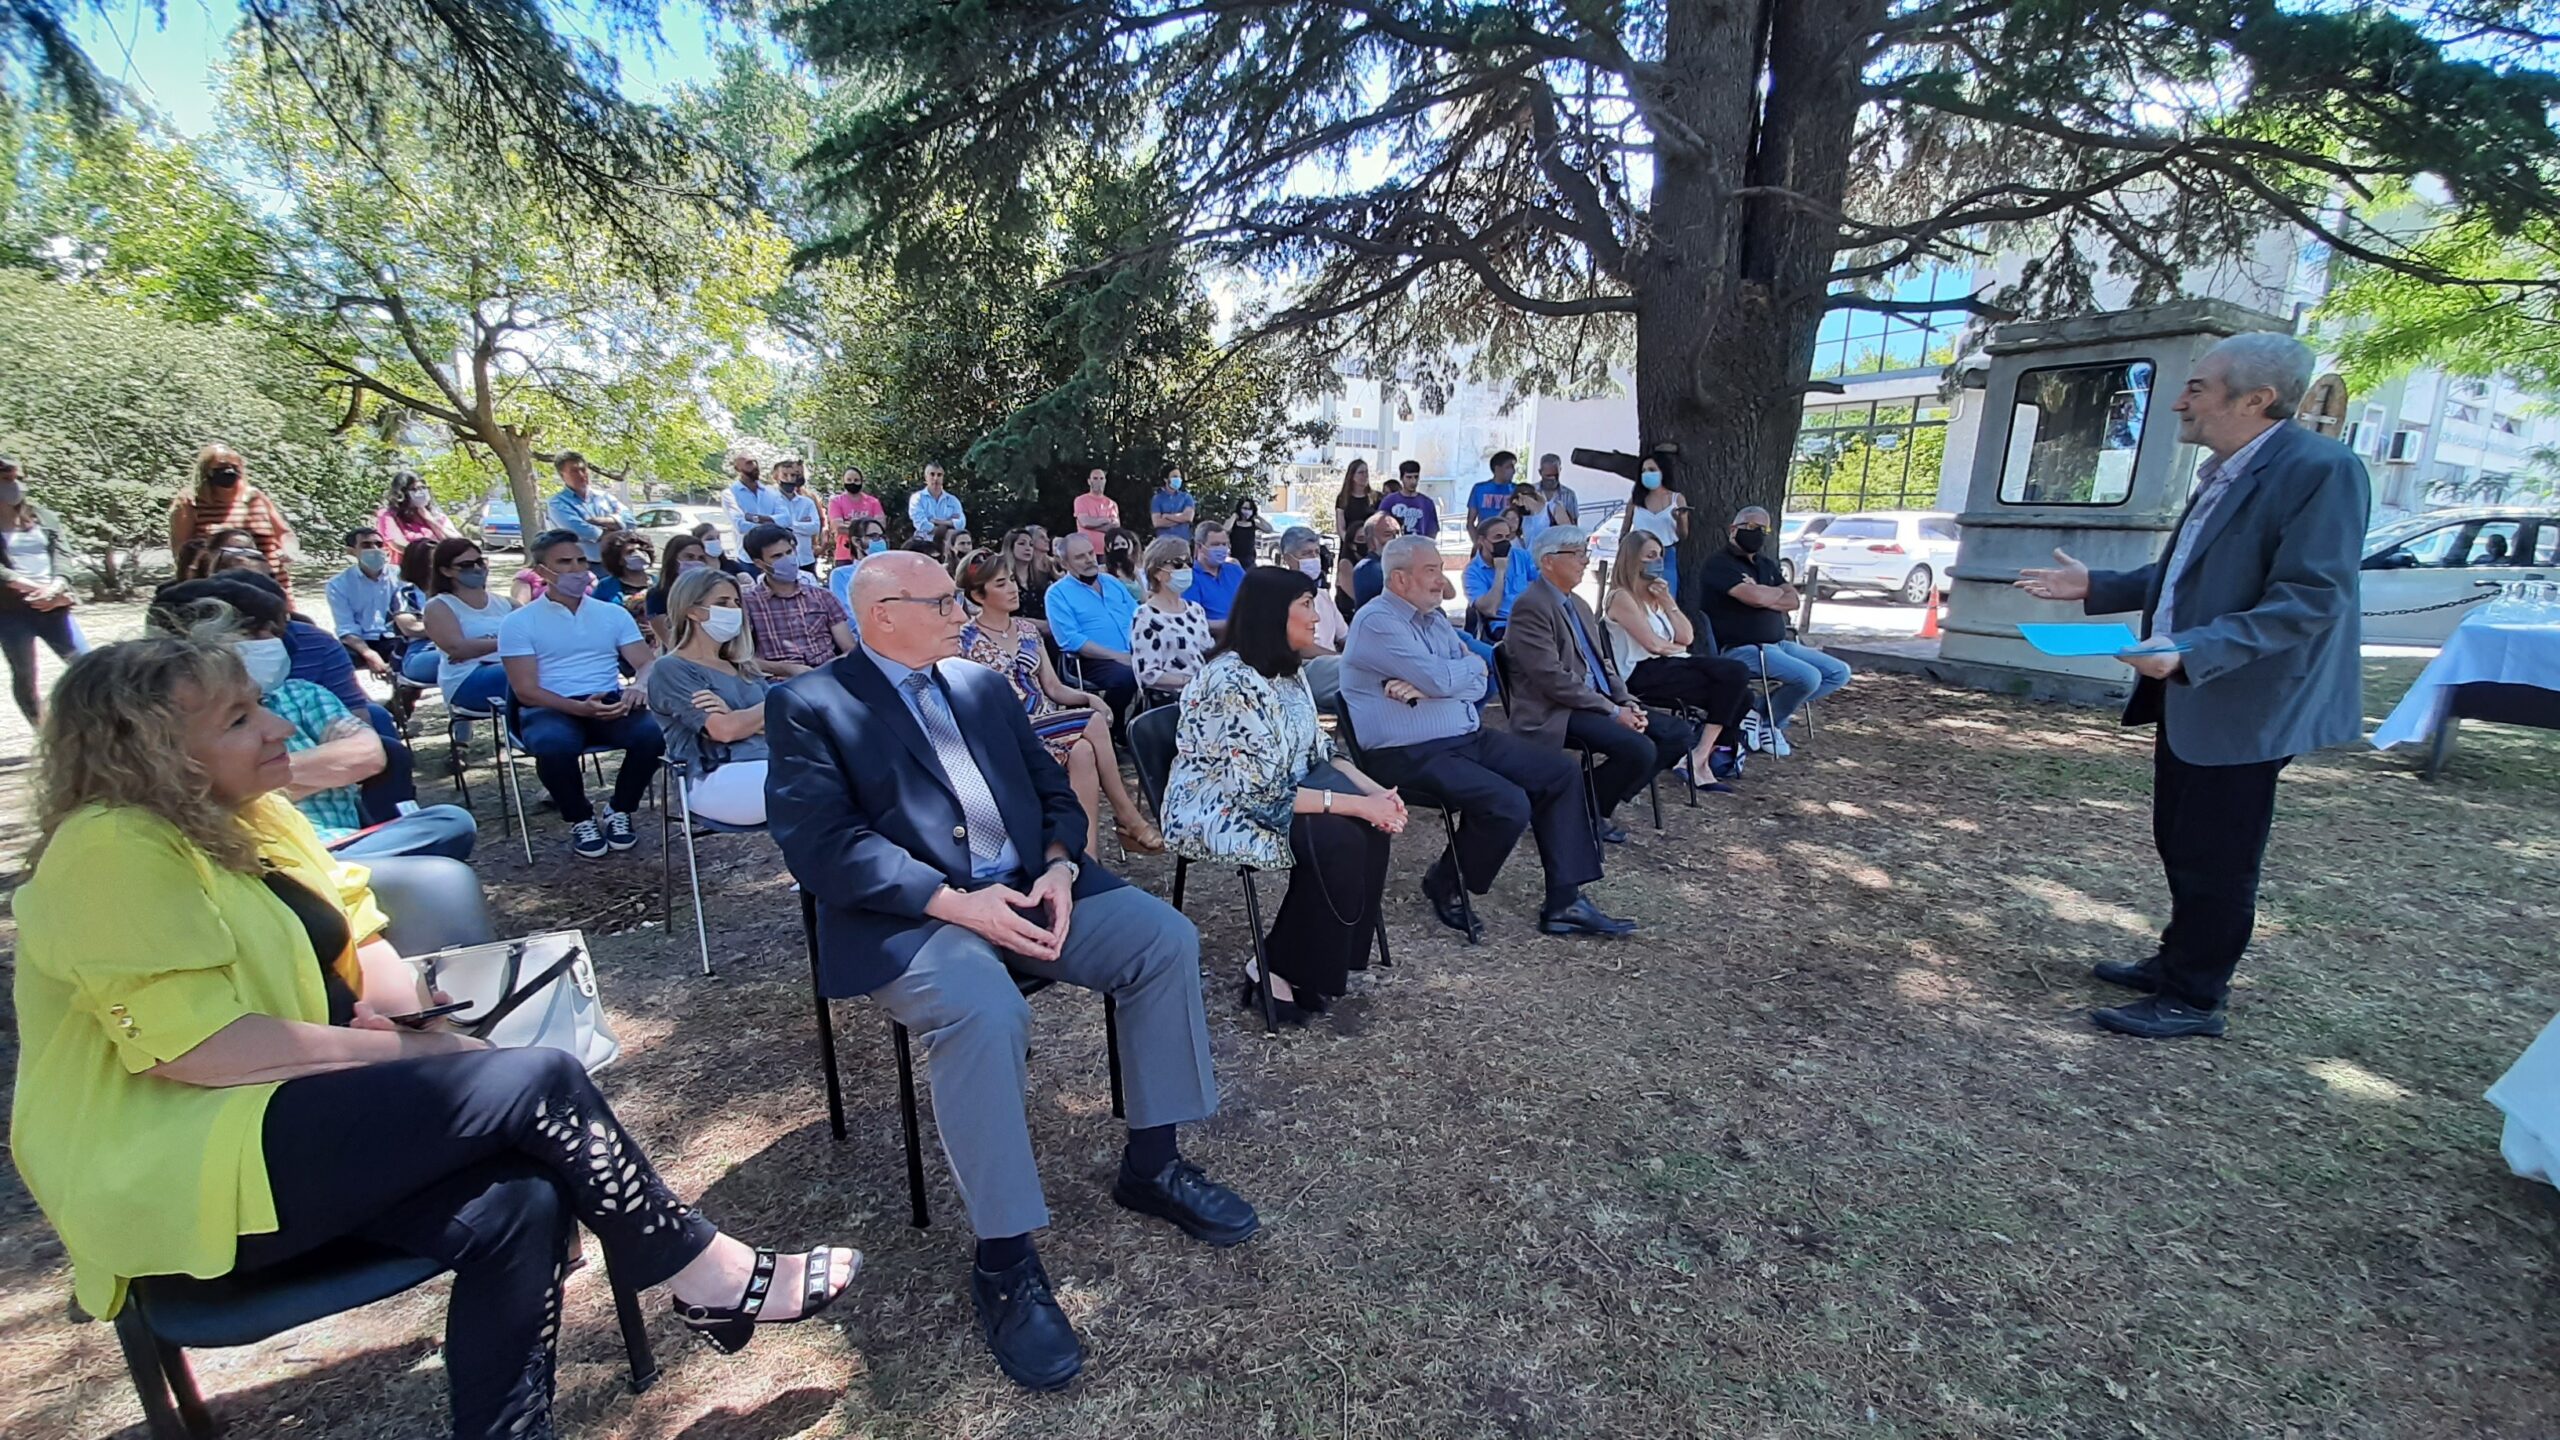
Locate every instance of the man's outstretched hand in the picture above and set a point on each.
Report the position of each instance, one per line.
(2068, 581)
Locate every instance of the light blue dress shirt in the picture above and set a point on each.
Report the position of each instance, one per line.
(578, 515)
(742, 500)
(1095, 614)
(1007, 861)
(923, 510)
(801, 515)
(362, 605)
(1392, 640)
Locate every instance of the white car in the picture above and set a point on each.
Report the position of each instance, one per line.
(2415, 569)
(1796, 535)
(663, 522)
(1901, 553)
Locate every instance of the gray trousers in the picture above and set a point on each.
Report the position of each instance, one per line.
(975, 1026)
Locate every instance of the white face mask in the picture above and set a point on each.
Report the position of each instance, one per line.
(711, 548)
(1178, 581)
(1311, 567)
(268, 662)
(723, 622)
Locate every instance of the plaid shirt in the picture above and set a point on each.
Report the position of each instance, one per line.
(800, 629)
(318, 718)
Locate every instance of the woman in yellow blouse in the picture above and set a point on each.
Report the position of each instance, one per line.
(212, 1076)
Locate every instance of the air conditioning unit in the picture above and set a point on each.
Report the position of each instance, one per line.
(2405, 445)
(2359, 437)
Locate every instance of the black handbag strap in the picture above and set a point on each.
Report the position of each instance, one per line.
(517, 997)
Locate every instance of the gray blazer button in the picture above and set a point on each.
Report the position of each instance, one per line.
(959, 832)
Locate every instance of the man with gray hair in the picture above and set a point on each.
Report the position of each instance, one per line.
(1302, 550)
(1415, 693)
(1565, 687)
(2250, 657)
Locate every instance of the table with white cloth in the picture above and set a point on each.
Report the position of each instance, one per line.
(2493, 667)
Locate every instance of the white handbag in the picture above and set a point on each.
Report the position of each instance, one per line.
(540, 990)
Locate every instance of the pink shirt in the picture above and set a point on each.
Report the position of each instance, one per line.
(1091, 508)
(398, 536)
(843, 510)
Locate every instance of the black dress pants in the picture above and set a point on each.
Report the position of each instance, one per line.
(21, 626)
(1500, 785)
(1629, 758)
(1714, 686)
(2210, 823)
(480, 1161)
(1322, 931)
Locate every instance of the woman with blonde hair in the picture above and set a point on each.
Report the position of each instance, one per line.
(222, 1069)
(1074, 724)
(708, 693)
(221, 498)
(1169, 637)
(1651, 637)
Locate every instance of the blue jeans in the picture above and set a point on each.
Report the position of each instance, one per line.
(556, 739)
(1803, 673)
(482, 689)
(418, 663)
(446, 830)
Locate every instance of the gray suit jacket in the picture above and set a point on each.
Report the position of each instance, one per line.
(1549, 679)
(2268, 608)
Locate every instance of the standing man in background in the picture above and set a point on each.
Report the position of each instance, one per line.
(1418, 513)
(2251, 657)
(1170, 510)
(934, 512)
(799, 513)
(1096, 511)
(581, 509)
(750, 502)
(1563, 507)
(1492, 495)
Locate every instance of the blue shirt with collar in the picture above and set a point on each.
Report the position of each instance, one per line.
(1095, 614)
(1214, 591)
(578, 515)
(362, 605)
(1516, 577)
(1007, 861)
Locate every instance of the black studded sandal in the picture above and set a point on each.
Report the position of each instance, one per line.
(730, 1327)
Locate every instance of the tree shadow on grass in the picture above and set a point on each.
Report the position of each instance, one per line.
(788, 1413)
(349, 1397)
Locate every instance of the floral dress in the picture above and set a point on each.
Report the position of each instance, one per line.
(1161, 643)
(1244, 746)
(1017, 658)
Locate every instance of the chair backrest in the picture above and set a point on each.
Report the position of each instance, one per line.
(1340, 710)
(1151, 746)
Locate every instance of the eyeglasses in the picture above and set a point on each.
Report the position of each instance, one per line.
(941, 603)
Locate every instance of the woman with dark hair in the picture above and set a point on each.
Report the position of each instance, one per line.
(1120, 556)
(219, 550)
(420, 661)
(1074, 724)
(709, 534)
(462, 623)
(684, 555)
(1033, 570)
(1256, 783)
(1352, 508)
(622, 571)
(1245, 532)
(1661, 512)
(409, 513)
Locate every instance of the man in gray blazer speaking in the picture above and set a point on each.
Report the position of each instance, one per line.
(2250, 658)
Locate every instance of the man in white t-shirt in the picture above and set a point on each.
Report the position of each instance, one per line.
(564, 655)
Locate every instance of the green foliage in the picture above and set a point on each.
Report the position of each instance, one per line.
(127, 209)
(107, 408)
(2384, 322)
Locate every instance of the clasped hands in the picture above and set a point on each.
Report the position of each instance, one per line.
(1004, 917)
(622, 703)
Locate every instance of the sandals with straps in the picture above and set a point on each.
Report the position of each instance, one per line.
(730, 1327)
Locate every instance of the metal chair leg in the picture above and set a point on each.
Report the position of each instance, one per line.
(666, 864)
(1261, 957)
(635, 1333)
(182, 1384)
(1458, 868)
(692, 872)
(1385, 961)
(1181, 872)
(1654, 788)
(907, 1111)
(515, 789)
(826, 1021)
(1111, 1053)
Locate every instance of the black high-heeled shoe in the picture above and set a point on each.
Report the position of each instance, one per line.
(730, 1327)
(1285, 1012)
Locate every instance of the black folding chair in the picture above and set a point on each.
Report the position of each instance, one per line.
(1029, 985)
(1414, 794)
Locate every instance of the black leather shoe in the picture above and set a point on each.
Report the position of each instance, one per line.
(1613, 833)
(1204, 1209)
(2142, 975)
(2159, 1018)
(1583, 918)
(1283, 1012)
(1034, 1345)
(1454, 913)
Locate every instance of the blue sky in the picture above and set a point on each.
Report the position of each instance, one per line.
(167, 65)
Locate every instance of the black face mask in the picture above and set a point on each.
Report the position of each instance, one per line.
(222, 477)
(1749, 541)
(1499, 550)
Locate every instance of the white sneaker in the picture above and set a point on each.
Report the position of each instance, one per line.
(1778, 743)
(1755, 732)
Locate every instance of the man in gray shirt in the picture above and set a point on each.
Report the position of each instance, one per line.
(1415, 692)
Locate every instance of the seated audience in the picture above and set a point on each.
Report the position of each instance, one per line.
(1302, 550)
(1075, 725)
(219, 1082)
(366, 606)
(1368, 578)
(565, 655)
(936, 864)
(1026, 557)
(683, 555)
(1565, 688)
(1649, 635)
(708, 532)
(1214, 573)
(623, 577)
(708, 695)
(462, 622)
(220, 551)
(1415, 692)
(1496, 576)
(419, 662)
(1090, 615)
(1169, 637)
(1255, 782)
(1747, 601)
(954, 547)
(334, 752)
(1119, 557)
(798, 624)
(870, 537)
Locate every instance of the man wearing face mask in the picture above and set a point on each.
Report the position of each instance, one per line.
(1556, 499)
(1171, 509)
(1302, 550)
(333, 751)
(1496, 576)
(1747, 601)
(800, 515)
(798, 624)
(366, 603)
(564, 654)
(1215, 576)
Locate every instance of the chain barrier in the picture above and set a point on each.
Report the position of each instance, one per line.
(2423, 609)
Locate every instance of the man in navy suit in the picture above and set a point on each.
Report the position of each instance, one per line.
(942, 844)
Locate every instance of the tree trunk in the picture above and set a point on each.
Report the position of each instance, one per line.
(514, 450)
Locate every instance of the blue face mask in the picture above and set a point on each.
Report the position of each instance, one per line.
(876, 547)
(1216, 556)
(1653, 569)
(786, 569)
(1653, 479)
(371, 561)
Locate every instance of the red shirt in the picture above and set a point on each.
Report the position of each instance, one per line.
(1090, 506)
(843, 510)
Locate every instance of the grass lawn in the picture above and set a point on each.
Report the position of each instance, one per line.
(1829, 1149)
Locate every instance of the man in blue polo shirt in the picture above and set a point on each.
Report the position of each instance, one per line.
(1171, 509)
(1492, 496)
(1214, 577)
(564, 655)
(1497, 575)
(1089, 615)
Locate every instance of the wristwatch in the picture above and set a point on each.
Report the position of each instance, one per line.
(1075, 871)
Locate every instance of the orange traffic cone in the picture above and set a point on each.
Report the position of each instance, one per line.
(1929, 622)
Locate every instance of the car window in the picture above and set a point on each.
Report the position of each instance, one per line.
(2429, 547)
(2546, 541)
(1857, 529)
(1938, 529)
(2493, 542)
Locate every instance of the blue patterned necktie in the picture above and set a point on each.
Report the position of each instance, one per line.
(977, 802)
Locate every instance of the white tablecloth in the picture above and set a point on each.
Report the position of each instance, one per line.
(2481, 648)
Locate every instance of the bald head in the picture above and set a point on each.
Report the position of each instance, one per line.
(892, 595)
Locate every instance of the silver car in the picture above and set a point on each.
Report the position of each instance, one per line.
(1796, 535)
(1904, 554)
(2419, 572)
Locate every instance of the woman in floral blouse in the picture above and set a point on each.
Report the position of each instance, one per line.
(1169, 637)
(1074, 725)
(1256, 783)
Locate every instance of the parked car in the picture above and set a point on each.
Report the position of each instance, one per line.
(1901, 553)
(2447, 555)
(1796, 535)
(661, 522)
(499, 528)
